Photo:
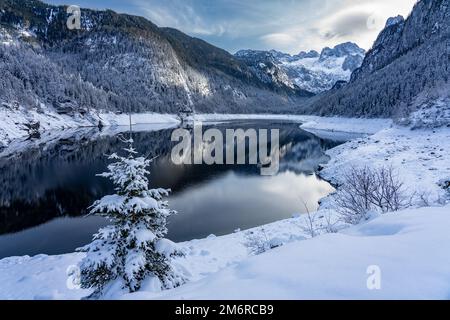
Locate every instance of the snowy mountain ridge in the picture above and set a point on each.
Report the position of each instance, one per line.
(119, 62)
(407, 69)
(310, 71)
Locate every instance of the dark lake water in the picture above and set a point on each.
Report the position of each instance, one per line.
(47, 185)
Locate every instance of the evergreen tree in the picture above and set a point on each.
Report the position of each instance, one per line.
(133, 248)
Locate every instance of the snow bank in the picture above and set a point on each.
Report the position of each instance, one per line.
(331, 266)
(38, 278)
(350, 125)
(407, 247)
(421, 159)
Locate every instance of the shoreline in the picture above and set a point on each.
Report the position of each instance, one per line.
(13, 125)
(215, 255)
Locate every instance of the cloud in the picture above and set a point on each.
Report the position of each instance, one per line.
(278, 40)
(287, 25)
(358, 21)
(180, 15)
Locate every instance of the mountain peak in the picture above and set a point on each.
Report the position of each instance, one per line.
(310, 70)
(341, 50)
(306, 55)
(394, 21)
(407, 66)
(122, 62)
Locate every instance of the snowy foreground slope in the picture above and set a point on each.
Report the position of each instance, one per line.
(409, 247)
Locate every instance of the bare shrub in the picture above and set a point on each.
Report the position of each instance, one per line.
(331, 225)
(424, 199)
(257, 242)
(366, 190)
(310, 226)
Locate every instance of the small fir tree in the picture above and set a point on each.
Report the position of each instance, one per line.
(133, 248)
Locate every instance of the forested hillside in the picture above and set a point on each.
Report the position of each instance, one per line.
(122, 62)
(407, 69)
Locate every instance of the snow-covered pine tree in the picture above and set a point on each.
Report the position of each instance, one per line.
(133, 248)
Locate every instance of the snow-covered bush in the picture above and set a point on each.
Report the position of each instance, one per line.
(314, 224)
(366, 191)
(133, 248)
(258, 242)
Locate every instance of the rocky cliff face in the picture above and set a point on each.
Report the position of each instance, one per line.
(428, 22)
(309, 71)
(267, 66)
(408, 65)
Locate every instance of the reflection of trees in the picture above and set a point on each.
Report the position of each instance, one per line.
(44, 180)
(58, 178)
(305, 157)
(50, 165)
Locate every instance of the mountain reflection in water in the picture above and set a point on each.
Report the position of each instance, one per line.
(48, 185)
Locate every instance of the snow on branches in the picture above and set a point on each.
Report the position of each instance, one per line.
(133, 248)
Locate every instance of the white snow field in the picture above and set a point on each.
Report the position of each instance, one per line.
(421, 159)
(409, 247)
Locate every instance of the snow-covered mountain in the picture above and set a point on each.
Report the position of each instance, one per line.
(121, 62)
(312, 71)
(407, 70)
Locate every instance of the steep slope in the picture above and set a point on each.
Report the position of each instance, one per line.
(128, 63)
(309, 71)
(407, 68)
(266, 66)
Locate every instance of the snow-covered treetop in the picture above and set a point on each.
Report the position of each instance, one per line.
(133, 197)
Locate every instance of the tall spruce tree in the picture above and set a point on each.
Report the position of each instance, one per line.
(133, 248)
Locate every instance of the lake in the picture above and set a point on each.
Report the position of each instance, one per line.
(48, 184)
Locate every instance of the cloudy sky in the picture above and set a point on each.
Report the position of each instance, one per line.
(286, 25)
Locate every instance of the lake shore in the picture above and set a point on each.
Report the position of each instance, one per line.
(13, 124)
(215, 264)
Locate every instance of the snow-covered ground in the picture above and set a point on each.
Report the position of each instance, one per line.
(421, 159)
(408, 247)
(13, 122)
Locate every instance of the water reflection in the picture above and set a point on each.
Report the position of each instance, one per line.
(48, 184)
